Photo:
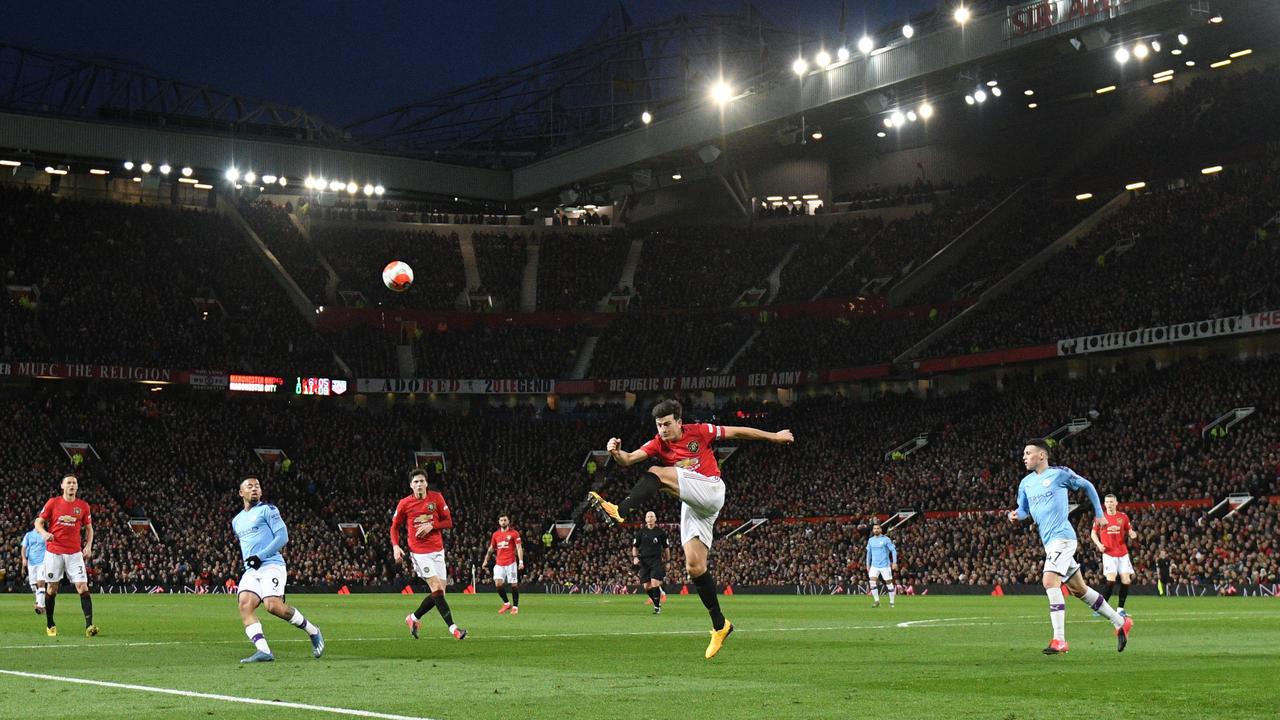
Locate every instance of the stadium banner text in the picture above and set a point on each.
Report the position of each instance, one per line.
(404, 386)
(1181, 332)
(88, 371)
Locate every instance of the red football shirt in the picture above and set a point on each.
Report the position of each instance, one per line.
(691, 451)
(1115, 534)
(64, 519)
(505, 542)
(415, 513)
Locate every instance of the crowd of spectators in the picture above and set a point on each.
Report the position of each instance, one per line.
(482, 351)
(657, 344)
(297, 256)
(358, 255)
(1209, 121)
(176, 461)
(501, 259)
(873, 196)
(140, 285)
(1030, 228)
(905, 244)
(576, 271)
(708, 266)
(840, 341)
(1177, 254)
(821, 254)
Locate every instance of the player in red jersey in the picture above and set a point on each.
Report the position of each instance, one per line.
(692, 474)
(510, 561)
(59, 524)
(427, 512)
(1112, 539)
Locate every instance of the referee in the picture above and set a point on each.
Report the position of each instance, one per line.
(649, 553)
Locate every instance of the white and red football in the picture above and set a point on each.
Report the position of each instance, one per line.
(397, 276)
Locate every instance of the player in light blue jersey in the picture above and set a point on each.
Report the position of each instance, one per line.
(262, 536)
(1043, 496)
(882, 560)
(33, 560)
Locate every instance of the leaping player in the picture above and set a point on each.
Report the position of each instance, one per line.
(691, 473)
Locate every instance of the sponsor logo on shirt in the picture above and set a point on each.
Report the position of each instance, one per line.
(67, 519)
(689, 463)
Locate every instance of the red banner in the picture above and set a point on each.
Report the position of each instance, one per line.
(985, 359)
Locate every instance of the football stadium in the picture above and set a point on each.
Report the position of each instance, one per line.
(782, 359)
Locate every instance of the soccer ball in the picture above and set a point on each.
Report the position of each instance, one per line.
(397, 276)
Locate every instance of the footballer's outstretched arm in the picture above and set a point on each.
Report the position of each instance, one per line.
(622, 457)
(783, 437)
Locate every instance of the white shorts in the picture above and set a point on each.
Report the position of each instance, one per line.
(507, 573)
(1060, 558)
(56, 566)
(430, 565)
(701, 499)
(883, 573)
(34, 574)
(1112, 565)
(267, 581)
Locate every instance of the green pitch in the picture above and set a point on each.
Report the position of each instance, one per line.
(588, 656)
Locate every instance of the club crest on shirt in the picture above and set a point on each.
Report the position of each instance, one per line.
(693, 446)
(1046, 482)
(75, 510)
(431, 507)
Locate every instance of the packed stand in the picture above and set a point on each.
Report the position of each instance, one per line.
(482, 351)
(1029, 229)
(296, 255)
(359, 254)
(501, 260)
(841, 341)
(649, 344)
(906, 244)
(1174, 255)
(819, 256)
(877, 196)
(707, 266)
(139, 285)
(177, 462)
(575, 271)
(1211, 120)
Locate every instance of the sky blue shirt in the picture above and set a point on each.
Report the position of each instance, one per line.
(261, 532)
(880, 552)
(1044, 497)
(34, 547)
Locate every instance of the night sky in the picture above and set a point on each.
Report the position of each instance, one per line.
(347, 60)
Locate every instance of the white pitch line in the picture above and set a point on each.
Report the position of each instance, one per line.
(930, 621)
(213, 696)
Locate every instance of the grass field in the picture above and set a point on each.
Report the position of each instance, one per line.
(589, 656)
